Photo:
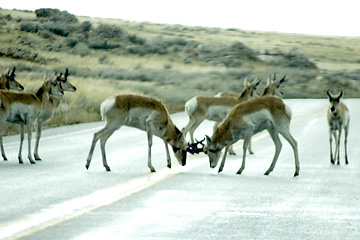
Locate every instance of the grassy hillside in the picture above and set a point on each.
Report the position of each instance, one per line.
(106, 57)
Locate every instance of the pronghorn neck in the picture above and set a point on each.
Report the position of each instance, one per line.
(245, 94)
(3, 82)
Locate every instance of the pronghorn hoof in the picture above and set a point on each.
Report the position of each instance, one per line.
(296, 174)
(267, 173)
(87, 167)
(239, 172)
(152, 170)
(108, 169)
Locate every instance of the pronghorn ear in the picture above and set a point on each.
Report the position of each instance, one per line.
(246, 83)
(268, 81)
(208, 140)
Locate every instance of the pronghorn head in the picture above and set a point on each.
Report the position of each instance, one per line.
(251, 86)
(11, 83)
(66, 86)
(334, 102)
(212, 151)
(273, 86)
(53, 86)
(179, 149)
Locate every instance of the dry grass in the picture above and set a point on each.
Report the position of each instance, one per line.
(171, 79)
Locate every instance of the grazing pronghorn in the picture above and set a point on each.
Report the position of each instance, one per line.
(49, 109)
(144, 113)
(215, 109)
(338, 118)
(8, 82)
(23, 109)
(246, 119)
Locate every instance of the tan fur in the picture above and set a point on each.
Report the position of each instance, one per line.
(213, 108)
(246, 119)
(23, 109)
(144, 113)
(49, 109)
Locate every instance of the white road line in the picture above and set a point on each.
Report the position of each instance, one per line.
(79, 206)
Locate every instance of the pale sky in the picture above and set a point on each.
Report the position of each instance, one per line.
(316, 17)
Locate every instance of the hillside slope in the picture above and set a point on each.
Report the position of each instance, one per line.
(171, 62)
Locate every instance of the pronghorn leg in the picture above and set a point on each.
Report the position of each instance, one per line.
(187, 128)
(103, 135)
(21, 143)
(245, 147)
(278, 145)
(193, 128)
(286, 134)
(337, 155)
(149, 137)
(345, 143)
(223, 159)
(28, 127)
(250, 148)
(2, 149)
(2, 131)
(167, 154)
(37, 140)
(331, 150)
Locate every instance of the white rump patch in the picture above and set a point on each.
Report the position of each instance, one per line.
(191, 106)
(288, 111)
(106, 106)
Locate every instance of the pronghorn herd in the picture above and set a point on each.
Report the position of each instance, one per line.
(236, 117)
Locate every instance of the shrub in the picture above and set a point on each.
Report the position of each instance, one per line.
(108, 31)
(56, 15)
(81, 49)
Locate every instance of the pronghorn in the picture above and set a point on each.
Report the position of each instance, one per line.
(8, 82)
(215, 109)
(271, 89)
(338, 118)
(49, 109)
(146, 114)
(23, 109)
(246, 119)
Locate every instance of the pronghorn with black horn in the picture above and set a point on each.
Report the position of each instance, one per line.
(49, 109)
(8, 82)
(338, 118)
(23, 109)
(215, 109)
(246, 119)
(146, 114)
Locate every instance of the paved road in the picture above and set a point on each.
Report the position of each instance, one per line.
(59, 199)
